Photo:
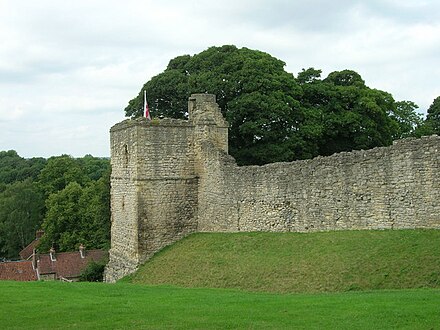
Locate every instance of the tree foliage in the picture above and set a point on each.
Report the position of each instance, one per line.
(432, 123)
(255, 94)
(94, 272)
(21, 212)
(273, 116)
(407, 118)
(93, 167)
(78, 213)
(59, 172)
(348, 115)
(69, 197)
(433, 117)
(21, 202)
(15, 168)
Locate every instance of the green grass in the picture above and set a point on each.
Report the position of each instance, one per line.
(56, 305)
(295, 262)
(276, 265)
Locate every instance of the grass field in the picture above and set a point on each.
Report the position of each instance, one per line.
(56, 305)
(295, 262)
(332, 280)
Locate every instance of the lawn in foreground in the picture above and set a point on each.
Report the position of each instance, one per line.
(55, 305)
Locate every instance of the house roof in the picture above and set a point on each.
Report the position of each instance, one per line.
(68, 264)
(17, 271)
(26, 253)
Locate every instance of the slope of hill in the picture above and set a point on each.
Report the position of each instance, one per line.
(297, 262)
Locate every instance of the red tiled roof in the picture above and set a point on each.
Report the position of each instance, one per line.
(17, 271)
(68, 264)
(28, 250)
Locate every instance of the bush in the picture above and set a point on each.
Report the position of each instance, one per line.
(94, 272)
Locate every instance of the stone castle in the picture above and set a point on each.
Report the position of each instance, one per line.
(171, 178)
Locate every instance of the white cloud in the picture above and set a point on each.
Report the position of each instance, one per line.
(67, 70)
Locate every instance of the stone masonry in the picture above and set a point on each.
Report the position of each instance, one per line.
(174, 177)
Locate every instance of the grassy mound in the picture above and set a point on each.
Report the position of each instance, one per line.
(295, 262)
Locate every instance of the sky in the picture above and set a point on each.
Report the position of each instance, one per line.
(68, 68)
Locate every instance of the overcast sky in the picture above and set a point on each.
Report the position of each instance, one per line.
(68, 68)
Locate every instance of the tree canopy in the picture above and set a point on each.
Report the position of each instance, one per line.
(274, 116)
(21, 213)
(77, 194)
(77, 215)
(68, 197)
(348, 115)
(15, 168)
(433, 117)
(59, 172)
(255, 94)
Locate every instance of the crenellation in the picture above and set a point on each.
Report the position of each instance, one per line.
(174, 177)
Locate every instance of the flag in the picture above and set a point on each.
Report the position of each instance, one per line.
(146, 109)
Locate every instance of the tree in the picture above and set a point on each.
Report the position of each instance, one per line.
(407, 118)
(273, 116)
(433, 116)
(62, 222)
(71, 195)
(347, 115)
(95, 213)
(21, 214)
(345, 78)
(355, 116)
(59, 172)
(311, 75)
(255, 94)
(76, 215)
(94, 272)
(77, 202)
(14, 168)
(93, 167)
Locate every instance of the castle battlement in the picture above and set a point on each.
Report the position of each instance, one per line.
(174, 177)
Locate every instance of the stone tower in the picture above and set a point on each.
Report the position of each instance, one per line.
(156, 168)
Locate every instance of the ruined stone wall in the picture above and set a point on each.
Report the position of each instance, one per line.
(153, 190)
(124, 207)
(167, 185)
(389, 187)
(174, 177)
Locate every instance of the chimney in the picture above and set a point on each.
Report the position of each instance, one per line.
(52, 254)
(34, 259)
(39, 233)
(82, 251)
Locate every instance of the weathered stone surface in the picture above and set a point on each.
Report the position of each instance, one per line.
(174, 177)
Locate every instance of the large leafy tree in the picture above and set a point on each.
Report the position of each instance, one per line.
(21, 202)
(77, 204)
(93, 167)
(355, 116)
(95, 213)
(14, 168)
(348, 115)
(256, 95)
(21, 214)
(62, 223)
(59, 172)
(408, 119)
(78, 214)
(71, 195)
(433, 116)
(273, 116)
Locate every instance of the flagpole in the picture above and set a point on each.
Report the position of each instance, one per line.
(146, 109)
(145, 101)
